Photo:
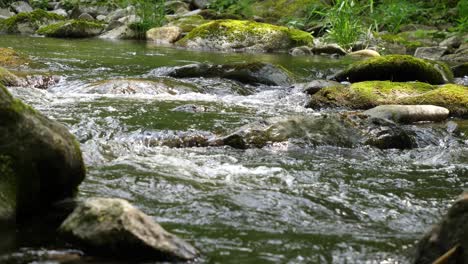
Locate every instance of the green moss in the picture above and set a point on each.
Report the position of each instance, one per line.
(36, 18)
(397, 68)
(248, 31)
(451, 96)
(365, 95)
(72, 28)
(10, 58)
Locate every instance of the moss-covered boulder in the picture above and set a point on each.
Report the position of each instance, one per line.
(240, 35)
(9, 79)
(365, 95)
(250, 73)
(28, 23)
(398, 68)
(72, 29)
(11, 59)
(40, 161)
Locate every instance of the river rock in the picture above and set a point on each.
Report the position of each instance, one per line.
(250, 73)
(86, 16)
(9, 79)
(115, 228)
(28, 23)
(343, 130)
(329, 49)
(239, 35)
(430, 53)
(176, 7)
(461, 55)
(460, 70)
(164, 35)
(121, 32)
(452, 230)
(60, 12)
(72, 29)
(188, 23)
(400, 68)
(40, 161)
(314, 86)
(21, 7)
(409, 113)
(452, 43)
(300, 51)
(135, 86)
(201, 4)
(366, 95)
(364, 53)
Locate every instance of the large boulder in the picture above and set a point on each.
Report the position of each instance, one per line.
(28, 23)
(365, 95)
(113, 227)
(409, 113)
(449, 236)
(40, 161)
(239, 35)
(250, 73)
(398, 68)
(72, 29)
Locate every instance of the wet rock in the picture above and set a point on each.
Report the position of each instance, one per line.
(430, 53)
(113, 227)
(86, 16)
(460, 70)
(365, 95)
(40, 161)
(164, 35)
(301, 51)
(452, 43)
(342, 130)
(409, 113)
(364, 53)
(239, 35)
(314, 86)
(93, 10)
(446, 235)
(28, 23)
(72, 29)
(328, 49)
(176, 139)
(461, 55)
(9, 79)
(21, 7)
(251, 73)
(121, 32)
(400, 68)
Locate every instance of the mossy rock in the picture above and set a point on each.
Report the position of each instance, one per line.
(72, 29)
(398, 68)
(241, 35)
(365, 95)
(188, 23)
(8, 79)
(11, 59)
(40, 161)
(28, 23)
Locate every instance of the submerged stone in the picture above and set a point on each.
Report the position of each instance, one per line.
(365, 95)
(114, 228)
(40, 161)
(250, 73)
(239, 35)
(72, 29)
(398, 68)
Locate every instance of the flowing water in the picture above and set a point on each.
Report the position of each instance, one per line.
(285, 203)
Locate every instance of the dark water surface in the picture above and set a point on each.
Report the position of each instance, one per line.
(279, 204)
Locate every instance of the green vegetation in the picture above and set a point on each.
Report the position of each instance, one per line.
(151, 12)
(35, 19)
(236, 7)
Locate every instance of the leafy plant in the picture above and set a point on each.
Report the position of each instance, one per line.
(343, 19)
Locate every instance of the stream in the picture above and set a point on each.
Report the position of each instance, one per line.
(284, 203)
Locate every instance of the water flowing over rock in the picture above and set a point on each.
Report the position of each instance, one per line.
(115, 228)
(40, 161)
(409, 113)
(450, 233)
(398, 68)
(251, 73)
(238, 35)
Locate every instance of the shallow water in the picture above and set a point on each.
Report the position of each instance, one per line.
(284, 203)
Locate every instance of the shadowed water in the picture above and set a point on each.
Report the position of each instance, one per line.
(285, 203)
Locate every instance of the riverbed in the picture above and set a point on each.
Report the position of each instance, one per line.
(284, 203)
